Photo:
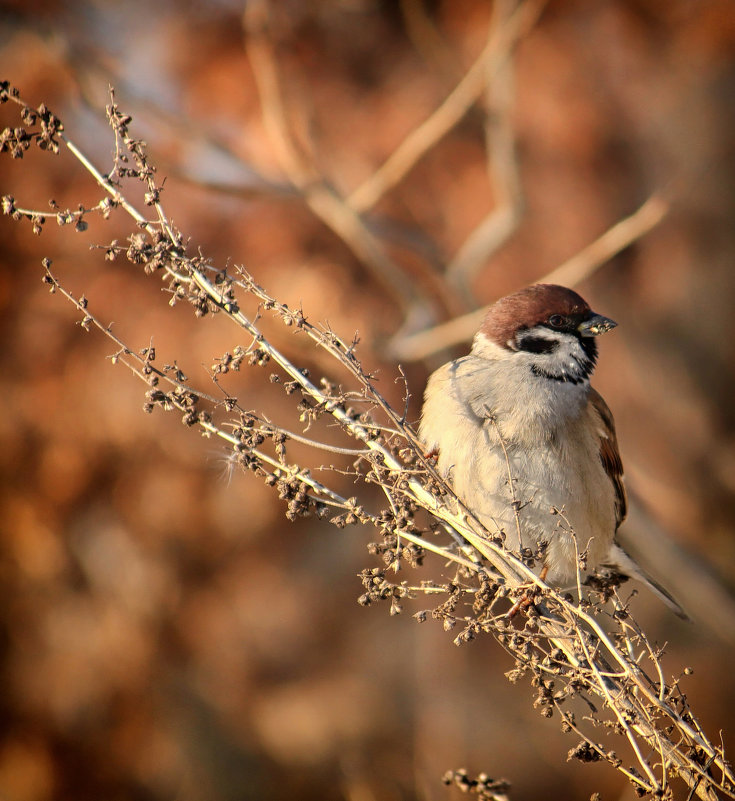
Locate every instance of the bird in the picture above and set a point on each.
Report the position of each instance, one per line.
(528, 445)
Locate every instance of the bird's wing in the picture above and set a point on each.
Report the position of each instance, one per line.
(610, 454)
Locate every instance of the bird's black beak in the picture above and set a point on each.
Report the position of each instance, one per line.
(595, 325)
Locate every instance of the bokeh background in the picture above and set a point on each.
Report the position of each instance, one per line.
(166, 633)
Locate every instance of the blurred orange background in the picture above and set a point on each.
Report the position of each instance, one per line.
(167, 633)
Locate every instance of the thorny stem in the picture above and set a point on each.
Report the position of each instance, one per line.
(511, 480)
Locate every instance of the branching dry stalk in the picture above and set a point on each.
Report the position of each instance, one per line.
(586, 658)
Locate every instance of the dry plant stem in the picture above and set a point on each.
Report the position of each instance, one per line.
(125, 354)
(450, 112)
(571, 272)
(511, 486)
(200, 280)
(511, 569)
(618, 707)
(605, 683)
(567, 638)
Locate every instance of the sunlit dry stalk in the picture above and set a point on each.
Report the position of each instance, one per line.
(587, 649)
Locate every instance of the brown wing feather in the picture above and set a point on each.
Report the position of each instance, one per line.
(610, 455)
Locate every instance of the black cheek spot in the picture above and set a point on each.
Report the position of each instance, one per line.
(532, 344)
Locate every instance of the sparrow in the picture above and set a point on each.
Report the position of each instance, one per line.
(528, 445)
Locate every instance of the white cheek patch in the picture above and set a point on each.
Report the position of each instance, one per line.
(565, 360)
(487, 349)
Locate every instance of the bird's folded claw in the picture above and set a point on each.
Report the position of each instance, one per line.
(528, 596)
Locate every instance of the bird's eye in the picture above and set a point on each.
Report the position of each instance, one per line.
(557, 321)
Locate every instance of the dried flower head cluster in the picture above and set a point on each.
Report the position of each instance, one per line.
(587, 661)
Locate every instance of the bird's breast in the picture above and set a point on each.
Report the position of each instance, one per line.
(536, 483)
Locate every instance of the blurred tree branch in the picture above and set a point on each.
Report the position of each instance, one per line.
(580, 266)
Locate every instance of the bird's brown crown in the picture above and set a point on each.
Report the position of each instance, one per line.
(529, 307)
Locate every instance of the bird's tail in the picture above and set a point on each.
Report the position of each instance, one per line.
(622, 563)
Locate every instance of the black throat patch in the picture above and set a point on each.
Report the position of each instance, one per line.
(564, 377)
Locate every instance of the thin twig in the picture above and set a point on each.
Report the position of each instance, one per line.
(450, 112)
(502, 169)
